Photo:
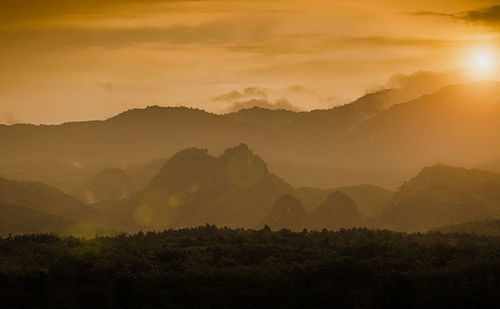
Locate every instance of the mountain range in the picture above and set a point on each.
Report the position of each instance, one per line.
(375, 139)
(236, 189)
(333, 167)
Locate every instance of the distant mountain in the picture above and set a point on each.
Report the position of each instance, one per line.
(110, 184)
(458, 125)
(337, 211)
(287, 213)
(376, 139)
(32, 207)
(17, 220)
(370, 200)
(443, 195)
(235, 189)
(489, 227)
(43, 198)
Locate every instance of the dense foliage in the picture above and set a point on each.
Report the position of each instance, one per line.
(212, 267)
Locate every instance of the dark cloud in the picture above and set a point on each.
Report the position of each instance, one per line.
(489, 16)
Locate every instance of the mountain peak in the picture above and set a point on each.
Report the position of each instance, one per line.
(338, 210)
(287, 213)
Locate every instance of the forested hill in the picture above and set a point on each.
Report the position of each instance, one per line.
(209, 267)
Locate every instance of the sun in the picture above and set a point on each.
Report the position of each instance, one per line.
(483, 61)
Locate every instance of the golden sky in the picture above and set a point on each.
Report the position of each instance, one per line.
(90, 59)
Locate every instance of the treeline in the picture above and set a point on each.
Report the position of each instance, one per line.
(220, 267)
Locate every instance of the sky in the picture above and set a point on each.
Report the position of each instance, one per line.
(90, 59)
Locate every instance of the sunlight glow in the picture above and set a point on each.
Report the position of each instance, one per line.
(483, 61)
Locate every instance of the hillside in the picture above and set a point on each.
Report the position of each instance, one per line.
(488, 227)
(345, 145)
(443, 195)
(369, 199)
(235, 189)
(337, 211)
(43, 198)
(107, 185)
(18, 220)
(287, 213)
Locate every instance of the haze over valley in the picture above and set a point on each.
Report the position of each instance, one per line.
(249, 154)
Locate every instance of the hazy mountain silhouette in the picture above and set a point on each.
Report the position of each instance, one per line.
(458, 124)
(338, 210)
(43, 198)
(372, 140)
(287, 213)
(32, 207)
(443, 195)
(489, 227)
(369, 199)
(111, 184)
(18, 220)
(235, 189)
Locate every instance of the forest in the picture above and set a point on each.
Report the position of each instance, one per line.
(213, 267)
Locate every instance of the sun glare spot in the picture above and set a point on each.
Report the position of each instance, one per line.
(482, 62)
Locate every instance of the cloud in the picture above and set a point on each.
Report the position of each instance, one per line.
(8, 118)
(248, 94)
(252, 97)
(19, 11)
(106, 86)
(297, 88)
(314, 43)
(411, 86)
(282, 103)
(489, 16)
(217, 32)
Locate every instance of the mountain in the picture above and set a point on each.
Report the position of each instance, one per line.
(43, 198)
(337, 211)
(110, 184)
(235, 189)
(376, 139)
(287, 213)
(443, 195)
(369, 199)
(17, 220)
(489, 227)
(32, 207)
(458, 125)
